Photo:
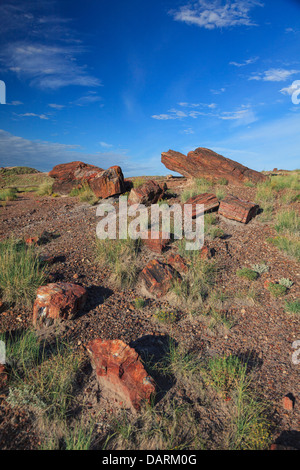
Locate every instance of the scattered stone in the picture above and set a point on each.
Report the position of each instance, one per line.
(46, 258)
(156, 241)
(288, 402)
(148, 193)
(120, 373)
(206, 252)
(204, 163)
(158, 277)
(209, 201)
(58, 301)
(236, 209)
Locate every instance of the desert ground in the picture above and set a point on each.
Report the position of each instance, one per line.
(218, 345)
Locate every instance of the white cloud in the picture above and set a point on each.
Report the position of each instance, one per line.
(105, 145)
(291, 89)
(274, 75)
(41, 116)
(216, 14)
(56, 106)
(43, 155)
(47, 66)
(246, 62)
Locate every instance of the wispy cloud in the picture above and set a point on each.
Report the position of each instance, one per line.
(42, 48)
(246, 62)
(85, 100)
(105, 145)
(291, 89)
(56, 106)
(43, 155)
(40, 116)
(217, 14)
(274, 75)
(243, 115)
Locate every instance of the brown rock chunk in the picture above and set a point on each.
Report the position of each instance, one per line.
(233, 208)
(104, 183)
(58, 301)
(148, 193)
(155, 241)
(209, 201)
(178, 263)
(288, 402)
(109, 183)
(158, 277)
(120, 373)
(204, 163)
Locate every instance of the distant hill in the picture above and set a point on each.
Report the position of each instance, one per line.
(17, 170)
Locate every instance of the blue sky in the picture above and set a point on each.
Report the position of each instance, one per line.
(118, 82)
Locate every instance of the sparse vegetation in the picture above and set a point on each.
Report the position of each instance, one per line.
(249, 274)
(84, 193)
(293, 306)
(277, 290)
(9, 194)
(21, 272)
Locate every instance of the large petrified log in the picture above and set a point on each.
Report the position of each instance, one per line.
(233, 208)
(120, 373)
(204, 163)
(104, 183)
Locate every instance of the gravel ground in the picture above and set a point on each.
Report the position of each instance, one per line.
(261, 328)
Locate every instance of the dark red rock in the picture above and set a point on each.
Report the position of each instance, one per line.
(209, 201)
(156, 241)
(120, 373)
(204, 163)
(148, 193)
(58, 301)
(178, 263)
(109, 183)
(158, 277)
(104, 183)
(233, 208)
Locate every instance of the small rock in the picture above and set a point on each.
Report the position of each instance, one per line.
(288, 402)
(236, 209)
(158, 277)
(56, 301)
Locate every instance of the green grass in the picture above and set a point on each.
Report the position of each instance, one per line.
(277, 290)
(293, 306)
(289, 245)
(199, 186)
(139, 303)
(21, 272)
(288, 222)
(121, 256)
(84, 193)
(137, 182)
(249, 274)
(9, 194)
(45, 188)
(41, 379)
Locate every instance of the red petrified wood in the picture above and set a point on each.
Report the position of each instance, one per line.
(148, 193)
(233, 208)
(157, 277)
(58, 301)
(156, 241)
(104, 183)
(120, 373)
(209, 201)
(204, 163)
